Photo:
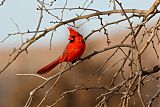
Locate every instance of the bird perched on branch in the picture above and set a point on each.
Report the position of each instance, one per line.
(72, 52)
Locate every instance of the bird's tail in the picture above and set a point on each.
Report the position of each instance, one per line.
(49, 67)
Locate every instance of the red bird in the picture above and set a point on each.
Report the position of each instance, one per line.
(72, 52)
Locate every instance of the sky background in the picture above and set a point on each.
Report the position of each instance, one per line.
(25, 14)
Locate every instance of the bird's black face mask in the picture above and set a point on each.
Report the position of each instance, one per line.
(71, 38)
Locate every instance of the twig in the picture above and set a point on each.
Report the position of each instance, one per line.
(35, 75)
(107, 48)
(2, 2)
(47, 92)
(153, 98)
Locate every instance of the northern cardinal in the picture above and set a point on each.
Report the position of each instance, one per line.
(72, 52)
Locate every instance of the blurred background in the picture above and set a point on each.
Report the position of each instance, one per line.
(14, 90)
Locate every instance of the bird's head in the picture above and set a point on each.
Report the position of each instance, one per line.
(73, 34)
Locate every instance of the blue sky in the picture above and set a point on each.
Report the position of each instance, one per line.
(25, 15)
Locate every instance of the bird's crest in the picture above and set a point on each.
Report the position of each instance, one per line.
(72, 31)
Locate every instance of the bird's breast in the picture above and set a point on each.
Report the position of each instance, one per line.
(75, 51)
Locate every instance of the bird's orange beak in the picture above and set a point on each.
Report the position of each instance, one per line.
(70, 38)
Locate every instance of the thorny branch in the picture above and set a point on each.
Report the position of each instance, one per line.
(2, 2)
